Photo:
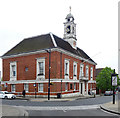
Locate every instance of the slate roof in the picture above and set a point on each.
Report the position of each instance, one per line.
(44, 42)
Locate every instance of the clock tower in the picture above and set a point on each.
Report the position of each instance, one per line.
(70, 30)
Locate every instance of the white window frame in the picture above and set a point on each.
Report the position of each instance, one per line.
(74, 86)
(39, 75)
(91, 73)
(66, 86)
(81, 70)
(26, 87)
(40, 87)
(13, 88)
(66, 70)
(87, 71)
(74, 70)
(12, 76)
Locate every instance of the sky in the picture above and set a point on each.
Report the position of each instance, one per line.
(96, 30)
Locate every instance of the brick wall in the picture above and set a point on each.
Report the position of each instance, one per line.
(57, 70)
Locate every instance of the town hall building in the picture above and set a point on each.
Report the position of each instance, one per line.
(34, 61)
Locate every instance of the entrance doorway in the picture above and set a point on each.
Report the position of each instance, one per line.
(81, 87)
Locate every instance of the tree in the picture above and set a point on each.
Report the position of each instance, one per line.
(103, 79)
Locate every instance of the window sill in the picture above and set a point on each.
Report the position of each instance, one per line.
(40, 91)
(40, 75)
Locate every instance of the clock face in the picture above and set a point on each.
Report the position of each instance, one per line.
(68, 29)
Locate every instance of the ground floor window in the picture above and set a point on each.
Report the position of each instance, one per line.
(70, 86)
(66, 86)
(26, 87)
(40, 87)
(74, 86)
(13, 88)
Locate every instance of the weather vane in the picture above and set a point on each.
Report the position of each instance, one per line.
(70, 9)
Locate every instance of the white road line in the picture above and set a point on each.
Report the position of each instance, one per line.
(63, 108)
(109, 112)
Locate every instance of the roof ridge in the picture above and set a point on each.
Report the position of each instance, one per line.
(53, 39)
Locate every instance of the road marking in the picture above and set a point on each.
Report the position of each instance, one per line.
(109, 112)
(63, 108)
(64, 111)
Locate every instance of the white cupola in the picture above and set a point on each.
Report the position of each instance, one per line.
(70, 30)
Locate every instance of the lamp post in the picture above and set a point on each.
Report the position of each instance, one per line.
(61, 86)
(49, 51)
(114, 83)
(35, 89)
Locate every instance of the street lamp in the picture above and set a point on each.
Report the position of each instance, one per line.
(61, 86)
(35, 89)
(49, 51)
(114, 83)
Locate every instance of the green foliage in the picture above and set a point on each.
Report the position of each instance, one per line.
(103, 79)
(2, 79)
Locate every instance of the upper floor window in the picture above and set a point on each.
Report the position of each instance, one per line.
(87, 71)
(81, 70)
(66, 67)
(41, 68)
(91, 75)
(13, 70)
(74, 69)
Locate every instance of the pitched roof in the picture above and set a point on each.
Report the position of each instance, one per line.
(31, 44)
(45, 42)
(66, 46)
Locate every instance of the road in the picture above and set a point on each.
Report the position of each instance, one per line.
(79, 107)
(78, 102)
(96, 112)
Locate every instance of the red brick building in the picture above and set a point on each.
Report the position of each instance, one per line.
(27, 65)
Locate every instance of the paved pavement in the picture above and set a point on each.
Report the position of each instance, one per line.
(110, 107)
(57, 99)
(17, 111)
(12, 111)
